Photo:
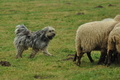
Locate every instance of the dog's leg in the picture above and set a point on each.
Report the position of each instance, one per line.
(19, 52)
(45, 51)
(34, 51)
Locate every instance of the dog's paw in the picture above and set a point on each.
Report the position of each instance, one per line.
(52, 55)
(48, 54)
(17, 57)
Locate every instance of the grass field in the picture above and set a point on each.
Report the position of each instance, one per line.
(65, 16)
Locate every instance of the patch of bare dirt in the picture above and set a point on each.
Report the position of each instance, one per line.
(71, 54)
(99, 6)
(80, 14)
(68, 3)
(110, 5)
(12, 10)
(70, 57)
(42, 77)
(5, 63)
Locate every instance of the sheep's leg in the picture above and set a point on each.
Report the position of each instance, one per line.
(79, 56)
(79, 59)
(109, 58)
(34, 51)
(102, 56)
(89, 56)
(114, 56)
(78, 63)
(118, 55)
(75, 56)
(109, 55)
(79, 51)
(19, 52)
(106, 60)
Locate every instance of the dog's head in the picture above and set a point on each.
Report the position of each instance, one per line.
(49, 32)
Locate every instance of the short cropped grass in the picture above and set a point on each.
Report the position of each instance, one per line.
(65, 16)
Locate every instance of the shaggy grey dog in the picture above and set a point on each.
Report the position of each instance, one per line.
(38, 40)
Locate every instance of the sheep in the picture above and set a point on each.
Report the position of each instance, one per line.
(93, 36)
(107, 19)
(88, 53)
(113, 44)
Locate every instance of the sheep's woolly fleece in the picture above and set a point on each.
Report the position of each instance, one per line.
(92, 34)
(114, 37)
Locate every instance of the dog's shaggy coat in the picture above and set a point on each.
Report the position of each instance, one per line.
(93, 36)
(38, 40)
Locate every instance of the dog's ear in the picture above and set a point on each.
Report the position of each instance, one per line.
(45, 29)
(43, 34)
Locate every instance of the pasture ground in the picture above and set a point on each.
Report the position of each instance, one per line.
(65, 16)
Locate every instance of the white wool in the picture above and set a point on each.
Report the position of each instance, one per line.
(94, 35)
(114, 39)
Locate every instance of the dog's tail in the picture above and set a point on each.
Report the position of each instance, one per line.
(21, 30)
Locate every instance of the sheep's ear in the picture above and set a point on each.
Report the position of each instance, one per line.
(117, 18)
(117, 25)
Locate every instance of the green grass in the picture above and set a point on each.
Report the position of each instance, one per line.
(62, 15)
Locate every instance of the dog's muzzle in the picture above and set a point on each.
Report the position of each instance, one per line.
(52, 36)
